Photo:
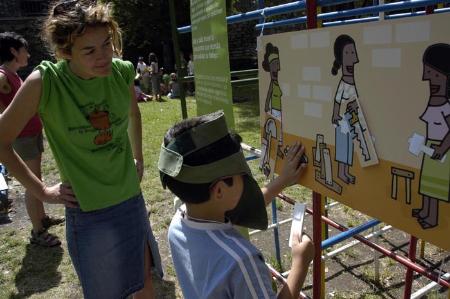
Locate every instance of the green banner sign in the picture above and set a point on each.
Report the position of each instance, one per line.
(210, 50)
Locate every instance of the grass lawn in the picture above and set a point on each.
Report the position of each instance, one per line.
(29, 271)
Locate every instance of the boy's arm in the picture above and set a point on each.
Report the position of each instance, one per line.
(292, 169)
(302, 255)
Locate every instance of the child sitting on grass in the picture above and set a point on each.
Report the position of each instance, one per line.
(203, 164)
(174, 87)
(140, 95)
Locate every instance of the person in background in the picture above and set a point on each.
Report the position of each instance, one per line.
(190, 69)
(141, 66)
(29, 142)
(174, 87)
(154, 76)
(140, 95)
(93, 125)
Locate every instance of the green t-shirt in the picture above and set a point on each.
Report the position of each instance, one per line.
(276, 96)
(86, 123)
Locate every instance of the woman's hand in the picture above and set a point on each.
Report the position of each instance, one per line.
(439, 152)
(335, 119)
(139, 168)
(60, 194)
(292, 167)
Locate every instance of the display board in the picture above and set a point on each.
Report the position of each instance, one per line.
(371, 104)
(210, 50)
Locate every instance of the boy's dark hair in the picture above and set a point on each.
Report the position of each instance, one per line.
(224, 147)
(10, 40)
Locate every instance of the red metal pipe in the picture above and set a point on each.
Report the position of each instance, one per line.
(409, 271)
(311, 13)
(402, 260)
(317, 239)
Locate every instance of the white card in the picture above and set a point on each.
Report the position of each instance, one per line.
(297, 221)
(3, 184)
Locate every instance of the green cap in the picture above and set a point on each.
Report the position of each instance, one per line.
(251, 210)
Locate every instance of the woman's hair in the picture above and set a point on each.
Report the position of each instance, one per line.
(68, 19)
(152, 57)
(437, 56)
(270, 49)
(10, 40)
(339, 44)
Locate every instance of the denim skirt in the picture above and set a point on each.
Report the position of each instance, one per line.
(107, 248)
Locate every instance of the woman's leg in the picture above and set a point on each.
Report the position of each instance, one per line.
(35, 207)
(424, 210)
(147, 291)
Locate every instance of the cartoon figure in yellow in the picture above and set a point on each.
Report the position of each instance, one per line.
(271, 64)
(435, 171)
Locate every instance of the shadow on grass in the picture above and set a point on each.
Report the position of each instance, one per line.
(39, 271)
(164, 289)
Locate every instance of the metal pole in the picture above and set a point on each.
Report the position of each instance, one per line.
(409, 271)
(275, 233)
(176, 49)
(317, 238)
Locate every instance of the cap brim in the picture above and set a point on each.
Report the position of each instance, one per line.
(251, 209)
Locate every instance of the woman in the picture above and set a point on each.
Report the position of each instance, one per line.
(271, 64)
(435, 174)
(154, 75)
(345, 58)
(92, 121)
(29, 143)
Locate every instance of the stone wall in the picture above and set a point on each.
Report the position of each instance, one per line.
(25, 18)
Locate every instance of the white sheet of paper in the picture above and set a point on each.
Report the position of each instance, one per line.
(3, 184)
(297, 220)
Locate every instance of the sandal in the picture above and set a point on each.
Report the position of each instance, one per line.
(43, 238)
(48, 221)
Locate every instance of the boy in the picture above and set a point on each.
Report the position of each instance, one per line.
(203, 164)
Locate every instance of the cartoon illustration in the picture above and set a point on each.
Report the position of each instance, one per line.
(435, 170)
(408, 176)
(348, 117)
(267, 163)
(100, 121)
(272, 107)
(323, 164)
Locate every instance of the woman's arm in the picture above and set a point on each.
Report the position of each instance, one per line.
(12, 121)
(268, 97)
(442, 149)
(135, 133)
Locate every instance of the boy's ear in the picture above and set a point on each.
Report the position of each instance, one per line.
(216, 191)
(14, 52)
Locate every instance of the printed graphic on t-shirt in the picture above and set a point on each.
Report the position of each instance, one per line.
(100, 121)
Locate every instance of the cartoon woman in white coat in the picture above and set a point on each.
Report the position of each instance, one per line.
(344, 104)
(435, 174)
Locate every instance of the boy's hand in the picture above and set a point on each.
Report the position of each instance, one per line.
(302, 251)
(292, 167)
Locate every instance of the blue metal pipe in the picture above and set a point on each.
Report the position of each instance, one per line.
(378, 9)
(275, 232)
(349, 233)
(256, 14)
(250, 158)
(387, 17)
(355, 12)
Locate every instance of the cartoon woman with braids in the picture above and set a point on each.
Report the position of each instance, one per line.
(271, 64)
(435, 174)
(344, 104)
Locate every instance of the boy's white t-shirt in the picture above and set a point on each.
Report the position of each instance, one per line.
(212, 260)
